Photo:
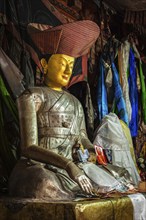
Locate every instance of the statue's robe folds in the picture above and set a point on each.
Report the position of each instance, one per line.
(53, 120)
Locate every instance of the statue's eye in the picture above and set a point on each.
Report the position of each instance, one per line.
(62, 64)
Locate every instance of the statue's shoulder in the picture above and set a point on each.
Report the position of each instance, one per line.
(35, 89)
(33, 92)
(67, 93)
(75, 100)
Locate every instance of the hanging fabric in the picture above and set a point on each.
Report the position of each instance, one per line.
(143, 92)
(123, 60)
(118, 96)
(133, 93)
(102, 93)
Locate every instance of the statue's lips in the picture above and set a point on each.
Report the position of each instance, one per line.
(65, 77)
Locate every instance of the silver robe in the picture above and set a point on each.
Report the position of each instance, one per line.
(53, 120)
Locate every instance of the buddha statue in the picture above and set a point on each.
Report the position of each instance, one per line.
(53, 130)
(52, 122)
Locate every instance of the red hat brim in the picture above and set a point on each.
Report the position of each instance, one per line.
(73, 39)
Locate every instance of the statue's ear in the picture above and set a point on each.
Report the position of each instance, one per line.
(44, 65)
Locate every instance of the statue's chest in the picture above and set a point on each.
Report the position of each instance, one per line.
(58, 110)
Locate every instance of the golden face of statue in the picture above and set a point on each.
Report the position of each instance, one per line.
(58, 71)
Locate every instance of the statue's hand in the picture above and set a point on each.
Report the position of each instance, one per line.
(79, 177)
(85, 184)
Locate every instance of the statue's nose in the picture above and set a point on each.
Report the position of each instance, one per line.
(67, 70)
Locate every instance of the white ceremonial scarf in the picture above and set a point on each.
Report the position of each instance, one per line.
(139, 206)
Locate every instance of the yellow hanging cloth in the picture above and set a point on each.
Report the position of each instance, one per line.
(128, 136)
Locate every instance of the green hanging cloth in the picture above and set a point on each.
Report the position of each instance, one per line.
(7, 150)
(143, 92)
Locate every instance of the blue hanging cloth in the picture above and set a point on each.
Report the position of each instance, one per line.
(133, 94)
(102, 93)
(118, 96)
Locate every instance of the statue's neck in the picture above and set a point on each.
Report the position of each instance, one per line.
(52, 85)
